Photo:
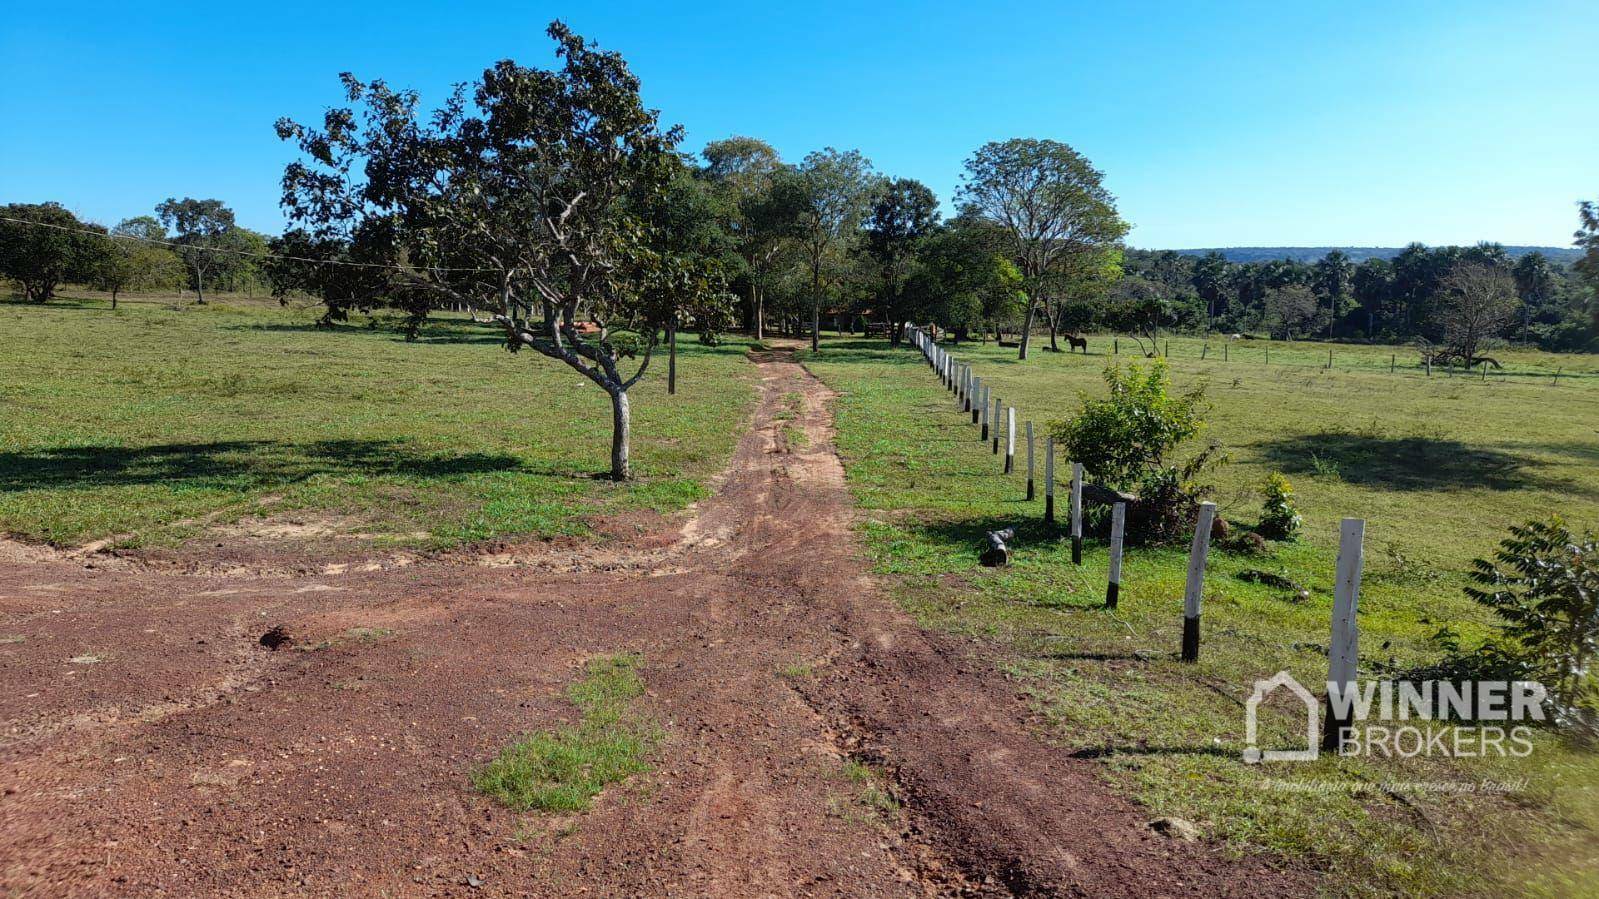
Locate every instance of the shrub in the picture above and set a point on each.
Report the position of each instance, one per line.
(1127, 441)
(1543, 582)
(1123, 439)
(1279, 520)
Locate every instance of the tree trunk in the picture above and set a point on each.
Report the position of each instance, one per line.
(113, 298)
(199, 290)
(759, 299)
(671, 361)
(816, 304)
(621, 425)
(1027, 329)
(1054, 344)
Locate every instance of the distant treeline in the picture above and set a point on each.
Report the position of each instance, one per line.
(187, 243)
(1416, 295)
(1560, 255)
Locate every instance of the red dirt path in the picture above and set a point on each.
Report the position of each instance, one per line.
(152, 745)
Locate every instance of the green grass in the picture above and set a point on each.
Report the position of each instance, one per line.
(868, 800)
(1438, 467)
(154, 421)
(565, 768)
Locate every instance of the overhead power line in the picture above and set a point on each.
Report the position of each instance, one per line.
(237, 252)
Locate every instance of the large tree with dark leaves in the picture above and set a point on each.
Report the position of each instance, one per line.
(207, 239)
(42, 245)
(525, 198)
(903, 213)
(1588, 239)
(837, 189)
(1054, 205)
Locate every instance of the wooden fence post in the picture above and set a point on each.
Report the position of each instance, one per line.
(1329, 358)
(1204, 351)
(1049, 479)
(1196, 581)
(1118, 523)
(1393, 362)
(1077, 513)
(1343, 654)
(1010, 439)
(1224, 353)
(995, 418)
(1116, 346)
(1268, 355)
(1429, 365)
(1030, 493)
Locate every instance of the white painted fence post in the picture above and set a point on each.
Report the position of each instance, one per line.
(1010, 439)
(974, 402)
(1077, 513)
(983, 417)
(1196, 581)
(995, 419)
(1049, 479)
(1118, 524)
(1343, 653)
(1030, 492)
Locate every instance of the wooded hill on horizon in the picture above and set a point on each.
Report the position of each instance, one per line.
(1558, 255)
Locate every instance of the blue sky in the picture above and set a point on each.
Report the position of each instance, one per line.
(1217, 124)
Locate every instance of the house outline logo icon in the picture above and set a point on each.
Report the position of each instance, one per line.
(1263, 688)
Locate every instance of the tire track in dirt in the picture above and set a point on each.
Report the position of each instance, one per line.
(193, 762)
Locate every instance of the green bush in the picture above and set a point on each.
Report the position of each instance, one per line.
(1127, 437)
(1128, 441)
(1543, 582)
(1279, 519)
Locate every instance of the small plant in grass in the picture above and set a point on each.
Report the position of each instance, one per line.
(874, 794)
(1543, 582)
(1128, 441)
(563, 769)
(1326, 468)
(1279, 519)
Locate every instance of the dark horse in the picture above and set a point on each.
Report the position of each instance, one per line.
(1077, 342)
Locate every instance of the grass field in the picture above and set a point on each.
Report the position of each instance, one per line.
(1438, 467)
(144, 422)
(153, 422)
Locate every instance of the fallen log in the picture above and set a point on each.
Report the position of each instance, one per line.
(1093, 493)
(998, 553)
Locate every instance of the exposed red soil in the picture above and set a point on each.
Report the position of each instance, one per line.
(153, 744)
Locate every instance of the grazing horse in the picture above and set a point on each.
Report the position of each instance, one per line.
(1077, 342)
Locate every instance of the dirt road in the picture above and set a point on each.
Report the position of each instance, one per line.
(151, 744)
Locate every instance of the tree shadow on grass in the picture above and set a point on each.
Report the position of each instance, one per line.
(1409, 463)
(232, 464)
(1104, 752)
(970, 535)
(434, 332)
(866, 349)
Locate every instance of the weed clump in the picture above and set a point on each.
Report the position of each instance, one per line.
(565, 768)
